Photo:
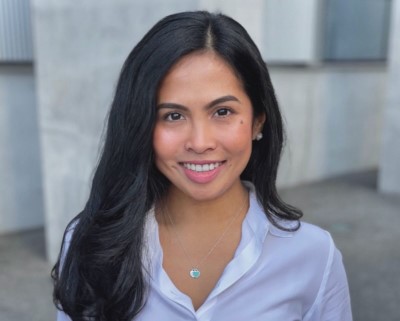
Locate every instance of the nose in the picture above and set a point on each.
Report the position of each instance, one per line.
(201, 138)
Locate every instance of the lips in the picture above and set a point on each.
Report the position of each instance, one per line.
(202, 172)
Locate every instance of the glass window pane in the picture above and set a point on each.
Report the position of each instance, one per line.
(356, 29)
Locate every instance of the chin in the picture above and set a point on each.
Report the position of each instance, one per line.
(204, 193)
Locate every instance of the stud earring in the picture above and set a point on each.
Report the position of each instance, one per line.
(259, 136)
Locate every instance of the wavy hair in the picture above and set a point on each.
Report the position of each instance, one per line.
(102, 275)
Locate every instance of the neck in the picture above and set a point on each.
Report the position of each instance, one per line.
(187, 211)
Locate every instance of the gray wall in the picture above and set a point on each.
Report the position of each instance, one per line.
(21, 199)
(333, 116)
(389, 181)
(333, 113)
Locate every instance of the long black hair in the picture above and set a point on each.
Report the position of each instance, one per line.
(102, 275)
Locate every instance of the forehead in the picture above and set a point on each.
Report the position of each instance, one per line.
(207, 59)
(201, 72)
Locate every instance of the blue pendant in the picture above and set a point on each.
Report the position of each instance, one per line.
(194, 273)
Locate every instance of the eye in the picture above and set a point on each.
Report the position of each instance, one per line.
(173, 116)
(223, 112)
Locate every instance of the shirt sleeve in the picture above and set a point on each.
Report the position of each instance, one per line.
(61, 316)
(333, 302)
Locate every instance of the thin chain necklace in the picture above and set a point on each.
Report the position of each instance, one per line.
(194, 271)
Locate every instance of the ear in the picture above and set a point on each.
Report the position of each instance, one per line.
(258, 125)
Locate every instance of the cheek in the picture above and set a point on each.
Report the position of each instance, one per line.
(165, 142)
(239, 139)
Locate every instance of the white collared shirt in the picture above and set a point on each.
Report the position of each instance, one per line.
(274, 275)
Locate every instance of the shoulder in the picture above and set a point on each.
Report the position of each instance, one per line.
(309, 248)
(315, 241)
(307, 235)
(312, 236)
(309, 259)
(328, 286)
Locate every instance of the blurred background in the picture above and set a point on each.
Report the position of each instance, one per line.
(335, 65)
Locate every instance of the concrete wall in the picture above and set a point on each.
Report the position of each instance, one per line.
(333, 117)
(21, 199)
(389, 180)
(284, 33)
(332, 113)
(291, 31)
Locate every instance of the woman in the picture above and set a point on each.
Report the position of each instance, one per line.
(183, 221)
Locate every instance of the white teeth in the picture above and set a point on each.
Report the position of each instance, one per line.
(201, 168)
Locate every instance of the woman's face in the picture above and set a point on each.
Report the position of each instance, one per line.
(204, 129)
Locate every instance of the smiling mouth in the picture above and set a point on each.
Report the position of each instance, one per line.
(202, 167)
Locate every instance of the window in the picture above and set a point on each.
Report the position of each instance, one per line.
(356, 29)
(15, 31)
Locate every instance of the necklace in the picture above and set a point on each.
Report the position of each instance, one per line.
(195, 271)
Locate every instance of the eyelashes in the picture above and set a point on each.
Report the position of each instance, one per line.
(177, 116)
(173, 116)
(223, 112)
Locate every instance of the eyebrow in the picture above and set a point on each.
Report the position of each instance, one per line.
(208, 106)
